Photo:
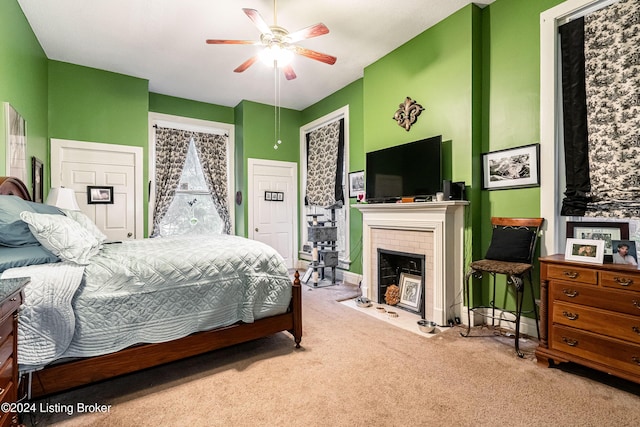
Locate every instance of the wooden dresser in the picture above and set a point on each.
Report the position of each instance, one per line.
(590, 314)
(10, 300)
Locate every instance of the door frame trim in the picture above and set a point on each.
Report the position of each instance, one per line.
(56, 147)
(293, 166)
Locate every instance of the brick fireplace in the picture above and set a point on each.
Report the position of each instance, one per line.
(434, 230)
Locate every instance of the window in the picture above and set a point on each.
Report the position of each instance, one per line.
(341, 214)
(192, 211)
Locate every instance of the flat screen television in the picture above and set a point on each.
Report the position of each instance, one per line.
(413, 169)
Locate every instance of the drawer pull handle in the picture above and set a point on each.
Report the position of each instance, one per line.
(1, 390)
(571, 274)
(570, 316)
(635, 329)
(570, 341)
(571, 293)
(636, 303)
(13, 299)
(623, 281)
(636, 359)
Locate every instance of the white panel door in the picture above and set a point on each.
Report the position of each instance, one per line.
(274, 221)
(77, 165)
(117, 220)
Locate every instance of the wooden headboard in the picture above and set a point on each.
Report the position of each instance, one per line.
(13, 186)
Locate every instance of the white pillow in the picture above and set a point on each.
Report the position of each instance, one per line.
(86, 223)
(62, 236)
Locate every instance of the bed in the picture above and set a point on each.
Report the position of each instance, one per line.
(96, 309)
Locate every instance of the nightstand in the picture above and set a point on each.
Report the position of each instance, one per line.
(10, 300)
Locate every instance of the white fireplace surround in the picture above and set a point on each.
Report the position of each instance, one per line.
(444, 253)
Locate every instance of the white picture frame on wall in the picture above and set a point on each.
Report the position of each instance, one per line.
(16, 143)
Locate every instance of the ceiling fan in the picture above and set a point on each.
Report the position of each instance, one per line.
(278, 43)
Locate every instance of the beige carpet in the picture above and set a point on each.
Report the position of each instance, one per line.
(355, 370)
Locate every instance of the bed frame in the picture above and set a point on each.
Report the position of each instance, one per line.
(64, 376)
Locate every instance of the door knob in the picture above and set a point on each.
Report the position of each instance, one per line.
(129, 234)
(256, 229)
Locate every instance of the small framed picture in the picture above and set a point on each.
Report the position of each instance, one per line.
(585, 250)
(37, 179)
(511, 168)
(99, 195)
(280, 196)
(356, 183)
(624, 252)
(410, 291)
(267, 195)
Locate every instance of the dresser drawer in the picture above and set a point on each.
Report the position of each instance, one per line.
(629, 281)
(6, 328)
(599, 321)
(6, 349)
(572, 274)
(607, 351)
(624, 302)
(11, 304)
(6, 372)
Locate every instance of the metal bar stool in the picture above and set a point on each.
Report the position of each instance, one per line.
(511, 252)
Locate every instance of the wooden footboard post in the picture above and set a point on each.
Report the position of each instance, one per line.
(296, 308)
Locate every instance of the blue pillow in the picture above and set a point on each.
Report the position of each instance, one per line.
(13, 231)
(26, 255)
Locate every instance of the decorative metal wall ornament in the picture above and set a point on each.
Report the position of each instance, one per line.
(408, 113)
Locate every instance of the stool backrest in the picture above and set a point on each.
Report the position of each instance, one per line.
(532, 224)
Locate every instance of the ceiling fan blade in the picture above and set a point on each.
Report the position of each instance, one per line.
(216, 41)
(289, 73)
(309, 32)
(255, 16)
(246, 64)
(322, 57)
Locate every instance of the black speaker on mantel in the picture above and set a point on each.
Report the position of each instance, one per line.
(453, 190)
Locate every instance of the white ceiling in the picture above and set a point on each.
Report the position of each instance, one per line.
(163, 41)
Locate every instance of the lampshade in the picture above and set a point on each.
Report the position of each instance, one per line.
(64, 198)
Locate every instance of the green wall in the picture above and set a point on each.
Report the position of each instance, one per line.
(86, 104)
(352, 96)
(23, 83)
(187, 108)
(255, 138)
(441, 70)
(511, 106)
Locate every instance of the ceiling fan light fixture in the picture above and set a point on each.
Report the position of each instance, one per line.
(276, 53)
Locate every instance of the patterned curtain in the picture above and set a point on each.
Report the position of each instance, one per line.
(171, 151)
(612, 64)
(212, 151)
(325, 157)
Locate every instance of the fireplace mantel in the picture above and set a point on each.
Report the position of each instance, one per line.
(445, 220)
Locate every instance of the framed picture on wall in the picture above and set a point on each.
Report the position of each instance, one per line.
(16, 142)
(356, 183)
(37, 184)
(511, 168)
(99, 195)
